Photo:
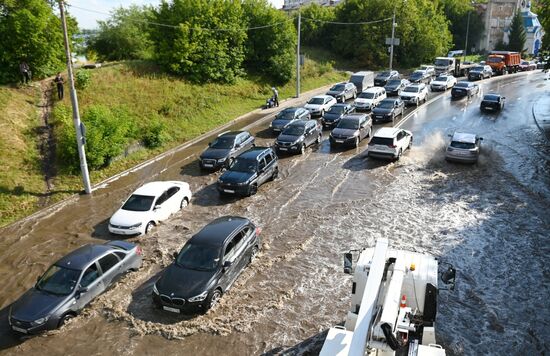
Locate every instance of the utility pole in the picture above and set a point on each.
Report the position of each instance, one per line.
(467, 33)
(393, 25)
(298, 54)
(74, 102)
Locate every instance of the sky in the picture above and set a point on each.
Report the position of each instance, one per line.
(87, 19)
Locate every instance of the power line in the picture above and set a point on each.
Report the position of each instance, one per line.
(192, 28)
(348, 23)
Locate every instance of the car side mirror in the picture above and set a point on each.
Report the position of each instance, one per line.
(226, 265)
(209, 144)
(481, 138)
(175, 255)
(157, 207)
(503, 98)
(348, 263)
(82, 290)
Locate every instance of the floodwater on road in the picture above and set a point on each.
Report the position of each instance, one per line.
(490, 220)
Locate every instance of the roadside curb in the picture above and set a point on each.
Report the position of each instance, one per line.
(541, 115)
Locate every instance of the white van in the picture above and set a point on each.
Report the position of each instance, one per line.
(369, 99)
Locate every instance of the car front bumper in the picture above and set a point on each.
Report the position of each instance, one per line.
(342, 141)
(25, 327)
(122, 230)
(211, 164)
(438, 87)
(381, 118)
(186, 308)
(228, 188)
(289, 148)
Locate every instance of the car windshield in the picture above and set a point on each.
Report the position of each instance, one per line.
(524, 62)
(386, 104)
(138, 203)
(365, 95)
(383, 75)
(336, 109)
(443, 62)
(461, 85)
(58, 280)
(477, 69)
(491, 97)
(463, 145)
(286, 115)
(348, 124)
(394, 82)
(293, 130)
(441, 78)
(494, 60)
(417, 75)
(411, 89)
(223, 142)
(244, 165)
(316, 101)
(199, 257)
(338, 87)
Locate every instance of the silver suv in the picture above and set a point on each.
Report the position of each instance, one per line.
(464, 147)
(390, 142)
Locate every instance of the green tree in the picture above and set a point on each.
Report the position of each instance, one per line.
(125, 35)
(30, 31)
(315, 29)
(207, 43)
(457, 12)
(518, 35)
(270, 50)
(542, 9)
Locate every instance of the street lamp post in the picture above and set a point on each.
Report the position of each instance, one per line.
(298, 53)
(467, 33)
(393, 25)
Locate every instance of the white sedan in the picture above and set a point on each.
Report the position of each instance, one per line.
(319, 104)
(443, 82)
(148, 205)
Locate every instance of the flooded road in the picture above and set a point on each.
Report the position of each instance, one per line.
(490, 220)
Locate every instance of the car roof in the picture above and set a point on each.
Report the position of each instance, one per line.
(81, 257)
(231, 133)
(253, 152)
(218, 230)
(152, 188)
(491, 96)
(340, 105)
(387, 132)
(464, 137)
(393, 100)
(464, 82)
(373, 90)
(353, 117)
(299, 123)
(291, 109)
(321, 96)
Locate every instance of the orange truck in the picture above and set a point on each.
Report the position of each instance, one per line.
(504, 61)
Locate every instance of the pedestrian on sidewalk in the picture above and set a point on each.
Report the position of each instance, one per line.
(275, 95)
(25, 71)
(59, 83)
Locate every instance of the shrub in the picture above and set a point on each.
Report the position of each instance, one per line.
(155, 134)
(82, 79)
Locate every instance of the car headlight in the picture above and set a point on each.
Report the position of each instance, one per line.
(200, 297)
(298, 141)
(155, 290)
(135, 226)
(41, 320)
(221, 160)
(356, 133)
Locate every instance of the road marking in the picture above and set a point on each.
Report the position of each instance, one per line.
(414, 112)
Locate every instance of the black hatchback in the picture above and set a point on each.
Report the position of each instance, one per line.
(250, 170)
(207, 266)
(223, 150)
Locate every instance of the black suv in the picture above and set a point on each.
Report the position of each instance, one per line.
(464, 88)
(383, 77)
(207, 266)
(388, 110)
(224, 149)
(250, 170)
(351, 130)
(297, 136)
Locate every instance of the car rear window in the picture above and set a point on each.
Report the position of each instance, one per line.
(382, 141)
(463, 145)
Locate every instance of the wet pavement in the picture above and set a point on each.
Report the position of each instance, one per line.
(490, 220)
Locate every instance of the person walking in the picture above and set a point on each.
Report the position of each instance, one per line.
(25, 71)
(59, 83)
(275, 95)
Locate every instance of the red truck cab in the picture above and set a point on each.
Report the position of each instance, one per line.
(504, 61)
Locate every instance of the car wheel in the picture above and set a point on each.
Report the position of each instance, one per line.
(322, 113)
(370, 132)
(275, 173)
(213, 299)
(319, 138)
(64, 319)
(357, 140)
(399, 155)
(410, 143)
(253, 254)
(149, 227)
(253, 189)
(184, 203)
(417, 102)
(303, 149)
(354, 95)
(231, 159)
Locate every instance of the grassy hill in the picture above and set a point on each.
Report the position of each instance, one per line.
(136, 96)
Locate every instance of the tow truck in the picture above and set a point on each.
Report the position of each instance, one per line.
(393, 304)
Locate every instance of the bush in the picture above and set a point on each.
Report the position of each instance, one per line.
(83, 78)
(155, 135)
(108, 133)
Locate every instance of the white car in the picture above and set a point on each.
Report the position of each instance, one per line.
(390, 142)
(148, 205)
(443, 82)
(464, 147)
(319, 104)
(369, 99)
(414, 94)
(430, 69)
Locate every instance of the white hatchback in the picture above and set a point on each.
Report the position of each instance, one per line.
(390, 142)
(148, 205)
(319, 104)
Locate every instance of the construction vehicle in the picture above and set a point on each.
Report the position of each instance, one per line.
(444, 65)
(503, 62)
(393, 304)
(461, 69)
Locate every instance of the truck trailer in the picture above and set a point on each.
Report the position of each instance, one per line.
(503, 62)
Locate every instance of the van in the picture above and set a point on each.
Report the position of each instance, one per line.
(362, 80)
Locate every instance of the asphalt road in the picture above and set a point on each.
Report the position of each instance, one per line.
(490, 220)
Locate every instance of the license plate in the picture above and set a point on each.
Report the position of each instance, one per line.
(173, 310)
(283, 148)
(378, 116)
(229, 191)
(19, 329)
(339, 141)
(382, 148)
(460, 90)
(208, 165)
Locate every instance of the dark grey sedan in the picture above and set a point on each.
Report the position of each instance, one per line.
(70, 284)
(287, 116)
(297, 136)
(351, 130)
(335, 113)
